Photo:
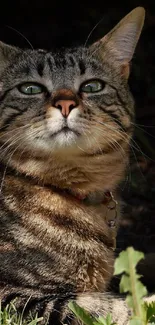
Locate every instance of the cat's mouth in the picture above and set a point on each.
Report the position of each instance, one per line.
(65, 137)
(66, 131)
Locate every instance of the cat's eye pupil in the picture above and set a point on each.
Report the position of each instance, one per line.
(92, 86)
(30, 89)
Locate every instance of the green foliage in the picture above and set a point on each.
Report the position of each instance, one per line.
(84, 316)
(130, 283)
(10, 316)
(142, 312)
(150, 312)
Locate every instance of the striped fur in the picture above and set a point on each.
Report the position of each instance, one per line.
(54, 247)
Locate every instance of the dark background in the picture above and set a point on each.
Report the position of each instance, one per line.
(48, 24)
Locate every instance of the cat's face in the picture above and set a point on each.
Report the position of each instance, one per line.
(73, 100)
(56, 101)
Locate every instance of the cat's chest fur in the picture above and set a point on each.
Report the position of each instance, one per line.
(49, 231)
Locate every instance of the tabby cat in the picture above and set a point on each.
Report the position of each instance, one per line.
(65, 130)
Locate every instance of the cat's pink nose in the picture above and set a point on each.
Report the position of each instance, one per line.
(65, 105)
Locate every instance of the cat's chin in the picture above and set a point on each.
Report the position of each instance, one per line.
(65, 138)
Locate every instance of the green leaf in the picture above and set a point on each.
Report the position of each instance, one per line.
(81, 313)
(35, 321)
(136, 321)
(104, 321)
(86, 318)
(109, 319)
(100, 321)
(126, 286)
(150, 311)
(126, 262)
(122, 262)
(130, 283)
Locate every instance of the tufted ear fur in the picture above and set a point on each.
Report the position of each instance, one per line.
(7, 53)
(121, 41)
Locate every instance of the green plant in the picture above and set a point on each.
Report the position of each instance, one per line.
(87, 319)
(10, 316)
(142, 312)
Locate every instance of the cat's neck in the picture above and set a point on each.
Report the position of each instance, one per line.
(81, 174)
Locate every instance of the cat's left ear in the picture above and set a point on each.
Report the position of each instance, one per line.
(121, 41)
(7, 54)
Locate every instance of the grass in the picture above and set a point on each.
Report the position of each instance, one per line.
(10, 316)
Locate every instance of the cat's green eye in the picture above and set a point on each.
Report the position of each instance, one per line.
(31, 88)
(92, 86)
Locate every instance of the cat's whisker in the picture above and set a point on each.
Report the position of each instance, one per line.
(112, 141)
(10, 157)
(6, 167)
(89, 143)
(14, 139)
(138, 148)
(98, 146)
(117, 146)
(143, 125)
(4, 133)
(135, 146)
(96, 25)
(124, 136)
(24, 37)
(131, 146)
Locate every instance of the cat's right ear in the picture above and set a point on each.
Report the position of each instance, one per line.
(119, 44)
(7, 53)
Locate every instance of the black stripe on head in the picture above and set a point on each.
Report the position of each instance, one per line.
(123, 103)
(60, 62)
(40, 69)
(72, 61)
(94, 65)
(82, 67)
(3, 95)
(25, 69)
(17, 109)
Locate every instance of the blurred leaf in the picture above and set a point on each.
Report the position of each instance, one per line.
(127, 260)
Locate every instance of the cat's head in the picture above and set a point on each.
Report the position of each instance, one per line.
(75, 100)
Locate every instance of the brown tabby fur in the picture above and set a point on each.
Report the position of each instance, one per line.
(52, 244)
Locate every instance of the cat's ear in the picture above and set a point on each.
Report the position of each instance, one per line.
(122, 39)
(7, 53)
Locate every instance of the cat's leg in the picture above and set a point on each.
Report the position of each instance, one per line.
(54, 308)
